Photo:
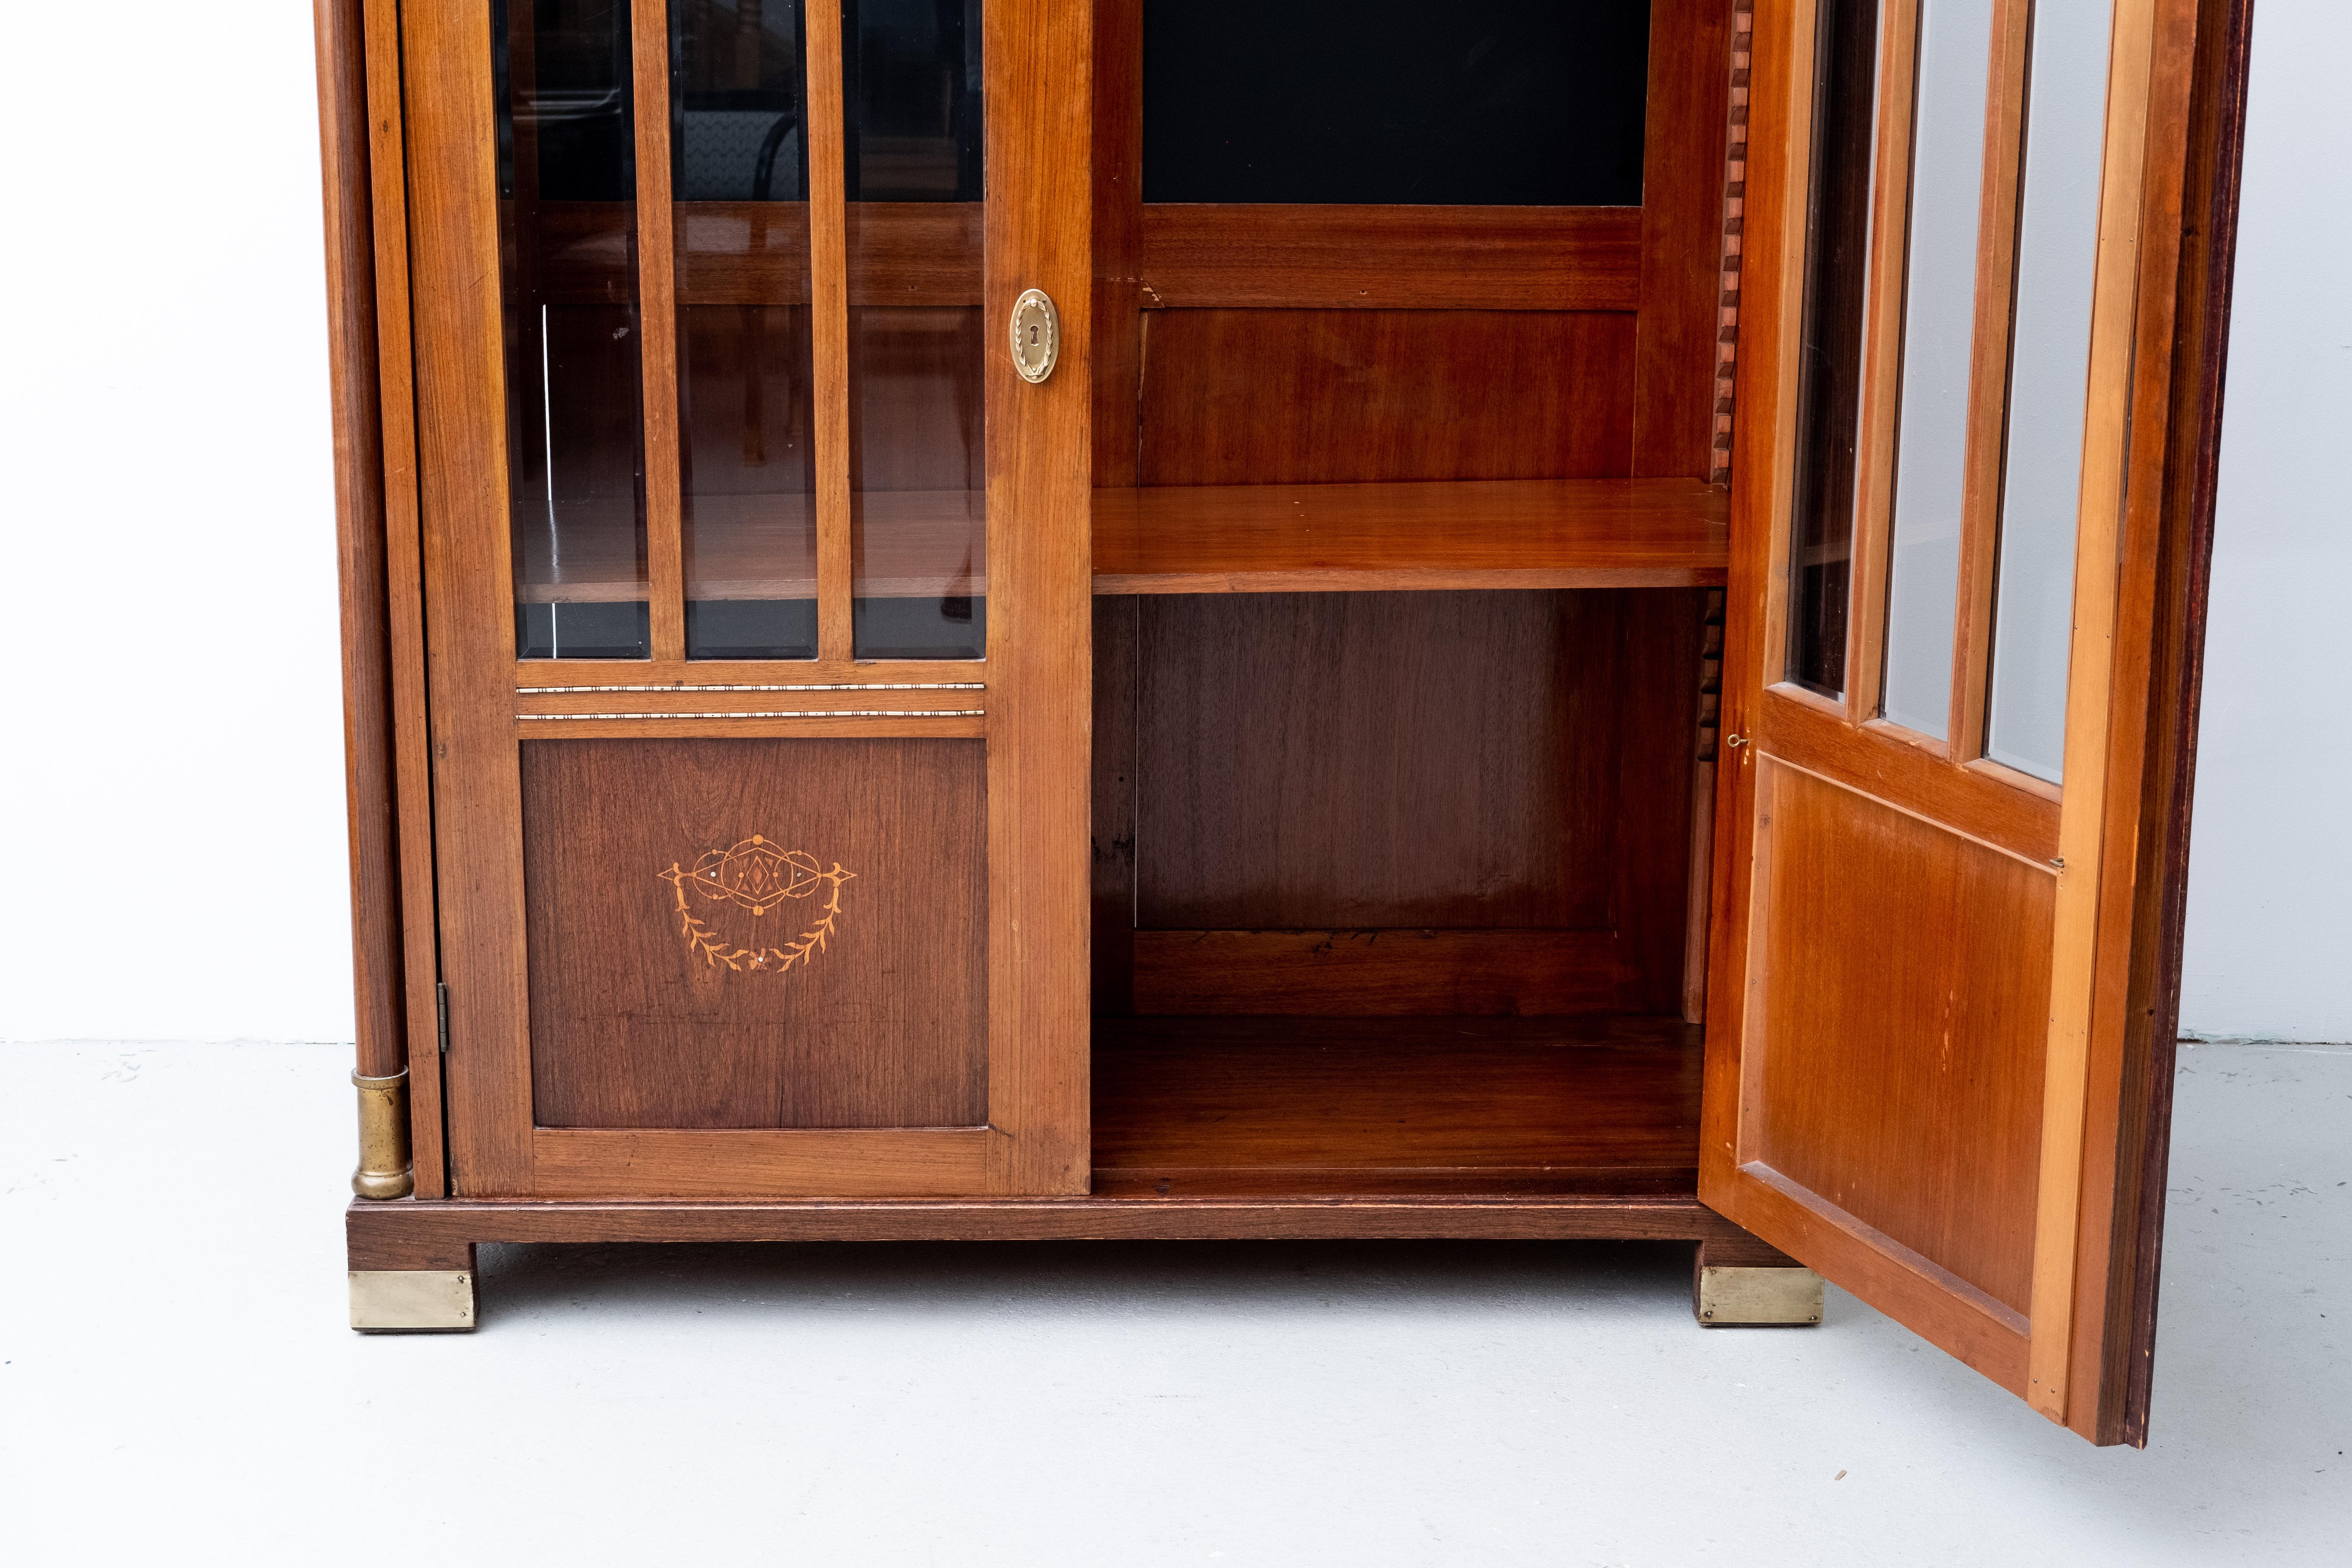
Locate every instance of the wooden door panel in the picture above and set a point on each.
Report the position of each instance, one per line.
(1899, 988)
(631, 1012)
(1939, 986)
(739, 934)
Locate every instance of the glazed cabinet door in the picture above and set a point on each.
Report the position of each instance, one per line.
(754, 488)
(1971, 403)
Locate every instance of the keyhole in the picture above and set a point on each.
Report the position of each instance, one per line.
(1032, 334)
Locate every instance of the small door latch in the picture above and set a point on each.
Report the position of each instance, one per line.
(1036, 335)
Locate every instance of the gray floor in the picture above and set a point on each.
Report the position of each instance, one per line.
(175, 1383)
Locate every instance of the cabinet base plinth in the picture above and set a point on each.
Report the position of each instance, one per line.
(412, 1300)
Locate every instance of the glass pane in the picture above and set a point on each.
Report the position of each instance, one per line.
(568, 277)
(745, 371)
(1476, 103)
(1828, 397)
(1938, 329)
(2057, 258)
(917, 342)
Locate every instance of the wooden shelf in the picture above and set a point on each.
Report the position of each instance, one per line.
(1210, 539)
(1504, 533)
(1232, 1107)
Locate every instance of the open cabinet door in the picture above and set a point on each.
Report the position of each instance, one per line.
(1985, 300)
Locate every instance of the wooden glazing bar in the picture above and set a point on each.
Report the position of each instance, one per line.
(657, 327)
(2081, 820)
(1882, 371)
(1989, 373)
(1779, 397)
(828, 220)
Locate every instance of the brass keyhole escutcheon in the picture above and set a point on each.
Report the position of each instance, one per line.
(1036, 335)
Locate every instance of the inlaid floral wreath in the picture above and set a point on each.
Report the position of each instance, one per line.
(758, 875)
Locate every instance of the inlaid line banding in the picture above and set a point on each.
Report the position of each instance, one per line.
(794, 713)
(874, 686)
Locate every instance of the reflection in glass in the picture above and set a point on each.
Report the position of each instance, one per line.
(1947, 145)
(1472, 102)
(745, 369)
(1829, 396)
(568, 279)
(2057, 258)
(911, 82)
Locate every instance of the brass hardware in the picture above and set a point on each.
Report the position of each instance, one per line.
(1036, 335)
(412, 1300)
(1753, 1297)
(383, 1170)
(1736, 741)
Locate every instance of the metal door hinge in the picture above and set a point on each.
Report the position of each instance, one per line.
(441, 1010)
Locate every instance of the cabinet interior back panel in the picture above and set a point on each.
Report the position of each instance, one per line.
(1295, 396)
(1342, 761)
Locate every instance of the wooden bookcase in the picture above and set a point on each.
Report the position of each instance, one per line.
(1391, 704)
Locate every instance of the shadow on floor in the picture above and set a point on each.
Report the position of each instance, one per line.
(1250, 1277)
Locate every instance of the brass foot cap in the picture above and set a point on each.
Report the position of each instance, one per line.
(1757, 1297)
(412, 1300)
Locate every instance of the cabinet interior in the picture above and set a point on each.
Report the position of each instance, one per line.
(1410, 534)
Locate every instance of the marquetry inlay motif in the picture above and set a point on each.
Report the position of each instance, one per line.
(748, 882)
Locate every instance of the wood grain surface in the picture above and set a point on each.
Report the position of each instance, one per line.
(1293, 396)
(1524, 534)
(1221, 1107)
(1675, 349)
(1336, 257)
(1896, 1072)
(1369, 973)
(1334, 761)
(410, 1235)
(633, 1026)
(369, 798)
(404, 589)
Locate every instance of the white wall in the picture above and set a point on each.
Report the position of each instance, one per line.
(170, 799)
(2270, 886)
(171, 794)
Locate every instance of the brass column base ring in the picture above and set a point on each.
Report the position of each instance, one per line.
(385, 1168)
